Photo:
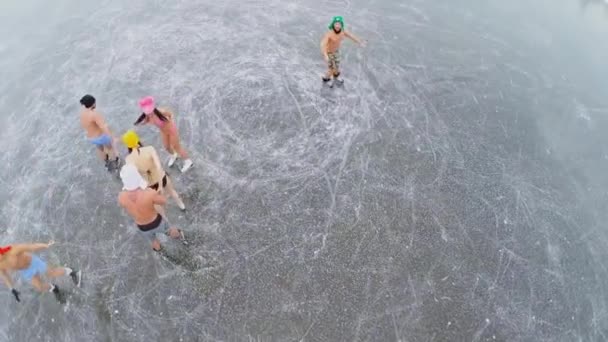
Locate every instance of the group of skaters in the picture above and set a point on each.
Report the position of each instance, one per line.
(144, 180)
(144, 184)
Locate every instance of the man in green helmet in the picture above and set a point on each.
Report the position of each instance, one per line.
(330, 46)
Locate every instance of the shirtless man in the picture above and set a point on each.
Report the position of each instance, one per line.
(330, 48)
(98, 132)
(31, 268)
(148, 164)
(140, 202)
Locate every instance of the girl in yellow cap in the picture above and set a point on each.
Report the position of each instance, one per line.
(146, 160)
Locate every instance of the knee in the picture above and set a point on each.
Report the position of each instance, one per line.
(41, 287)
(174, 141)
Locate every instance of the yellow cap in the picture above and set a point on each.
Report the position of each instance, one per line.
(130, 139)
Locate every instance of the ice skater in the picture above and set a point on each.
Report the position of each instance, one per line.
(163, 119)
(330, 48)
(31, 268)
(148, 164)
(140, 202)
(98, 132)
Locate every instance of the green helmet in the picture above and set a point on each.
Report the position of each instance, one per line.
(336, 20)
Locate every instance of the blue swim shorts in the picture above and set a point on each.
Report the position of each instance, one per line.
(102, 140)
(38, 266)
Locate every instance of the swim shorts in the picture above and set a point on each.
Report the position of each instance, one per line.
(37, 266)
(102, 140)
(158, 226)
(334, 60)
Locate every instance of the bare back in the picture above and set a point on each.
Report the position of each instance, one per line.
(89, 121)
(143, 159)
(15, 260)
(334, 40)
(140, 204)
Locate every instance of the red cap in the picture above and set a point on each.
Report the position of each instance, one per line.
(4, 250)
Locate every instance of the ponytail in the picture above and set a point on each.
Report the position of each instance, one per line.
(160, 115)
(141, 118)
(156, 112)
(139, 145)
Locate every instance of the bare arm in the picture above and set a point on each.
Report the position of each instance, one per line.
(7, 279)
(121, 202)
(101, 123)
(156, 161)
(159, 199)
(353, 38)
(33, 247)
(324, 44)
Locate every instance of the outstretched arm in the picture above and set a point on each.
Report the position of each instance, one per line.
(354, 38)
(32, 247)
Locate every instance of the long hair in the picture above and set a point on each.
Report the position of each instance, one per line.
(160, 115)
(156, 112)
(139, 145)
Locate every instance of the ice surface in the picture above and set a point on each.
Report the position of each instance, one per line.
(453, 190)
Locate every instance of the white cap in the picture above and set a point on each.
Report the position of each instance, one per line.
(131, 179)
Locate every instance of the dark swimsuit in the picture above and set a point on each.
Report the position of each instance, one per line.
(155, 185)
(152, 225)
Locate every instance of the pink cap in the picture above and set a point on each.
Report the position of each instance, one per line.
(147, 104)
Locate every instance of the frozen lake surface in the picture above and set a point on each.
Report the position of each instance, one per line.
(454, 190)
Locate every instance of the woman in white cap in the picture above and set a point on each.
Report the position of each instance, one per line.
(148, 164)
(140, 202)
(163, 119)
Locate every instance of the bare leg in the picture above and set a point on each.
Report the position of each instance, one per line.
(166, 142)
(101, 153)
(111, 150)
(336, 72)
(171, 190)
(56, 272)
(39, 284)
(177, 146)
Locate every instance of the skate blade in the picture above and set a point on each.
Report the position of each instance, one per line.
(185, 169)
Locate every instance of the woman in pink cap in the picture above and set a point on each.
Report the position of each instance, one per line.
(163, 119)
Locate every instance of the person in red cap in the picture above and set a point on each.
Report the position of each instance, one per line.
(163, 119)
(32, 268)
